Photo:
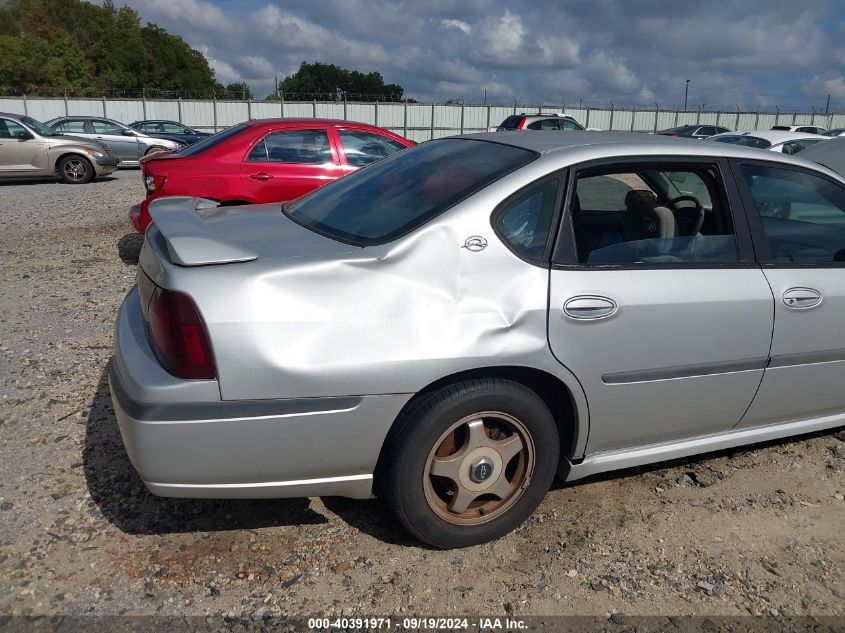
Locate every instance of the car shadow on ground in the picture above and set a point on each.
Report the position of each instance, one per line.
(49, 181)
(125, 502)
(129, 247)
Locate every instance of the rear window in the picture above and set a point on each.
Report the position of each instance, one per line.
(748, 141)
(210, 141)
(680, 128)
(781, 127)
(397, 194)
(511, 123)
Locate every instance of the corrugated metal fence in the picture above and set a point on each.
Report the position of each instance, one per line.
(417, 121)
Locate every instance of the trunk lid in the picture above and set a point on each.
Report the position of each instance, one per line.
(197, 232)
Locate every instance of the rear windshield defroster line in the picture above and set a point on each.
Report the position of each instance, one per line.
(393, 196)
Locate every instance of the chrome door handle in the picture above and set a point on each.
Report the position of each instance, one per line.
(802, 298)
(261, 176)
(589, 307)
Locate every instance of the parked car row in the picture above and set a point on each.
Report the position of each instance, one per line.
(128, 144)
(30, 149)
(79, 148)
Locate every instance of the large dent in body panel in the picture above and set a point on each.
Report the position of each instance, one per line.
(384, 320)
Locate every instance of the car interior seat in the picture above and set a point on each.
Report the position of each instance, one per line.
(644, 219)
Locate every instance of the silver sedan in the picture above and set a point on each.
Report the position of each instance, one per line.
(453, 326)
(129, 145)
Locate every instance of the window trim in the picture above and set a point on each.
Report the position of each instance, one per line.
(544, 260)
(565, 253)
(758, 235)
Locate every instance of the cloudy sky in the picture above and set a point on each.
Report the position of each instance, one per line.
(747, 52)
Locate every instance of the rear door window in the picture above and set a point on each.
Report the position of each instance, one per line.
(309, 147)
(71, 127)
(172, 128)
(544, 124)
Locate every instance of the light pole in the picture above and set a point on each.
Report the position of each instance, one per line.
(686, 94)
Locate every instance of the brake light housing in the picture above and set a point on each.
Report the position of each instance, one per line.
(152, 182)
(178, 335)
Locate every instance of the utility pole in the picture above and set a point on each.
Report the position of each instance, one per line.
(686, 94)
(827, 107)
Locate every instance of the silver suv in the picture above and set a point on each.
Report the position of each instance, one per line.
(539, 122)
(30, 149)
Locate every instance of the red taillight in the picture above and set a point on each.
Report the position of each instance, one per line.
(521, 125)
(178, 335)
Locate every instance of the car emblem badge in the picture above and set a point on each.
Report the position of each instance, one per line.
(481, 470)
(475, 243)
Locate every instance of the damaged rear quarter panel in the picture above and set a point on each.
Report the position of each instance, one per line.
(384, 319)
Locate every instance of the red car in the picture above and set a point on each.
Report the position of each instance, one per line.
(270, 160)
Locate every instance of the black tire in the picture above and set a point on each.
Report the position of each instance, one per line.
(403, 468)
(75, 170)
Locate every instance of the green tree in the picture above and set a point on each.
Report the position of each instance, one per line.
(51, 45)
(321, 80)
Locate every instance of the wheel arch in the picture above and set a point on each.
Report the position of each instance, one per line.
(572, 424)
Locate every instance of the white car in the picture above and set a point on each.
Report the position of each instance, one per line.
(808, 129)
(773, 140)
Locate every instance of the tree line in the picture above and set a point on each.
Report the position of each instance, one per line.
(86, 50)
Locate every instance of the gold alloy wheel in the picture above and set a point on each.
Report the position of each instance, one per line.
(478, 468)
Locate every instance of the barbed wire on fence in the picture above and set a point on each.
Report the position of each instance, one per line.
(516, 104)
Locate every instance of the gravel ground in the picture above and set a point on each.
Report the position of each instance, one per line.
(755, 531)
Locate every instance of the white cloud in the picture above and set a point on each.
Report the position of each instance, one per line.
(820, 87)
(502, 37)
(258, 66)
(460, 25)
(223, 72)
(631, 52)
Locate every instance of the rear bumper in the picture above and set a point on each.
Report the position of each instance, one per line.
(139, 214)
(185, 441)
(135, 218)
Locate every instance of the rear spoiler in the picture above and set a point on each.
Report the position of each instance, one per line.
(190, 241)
